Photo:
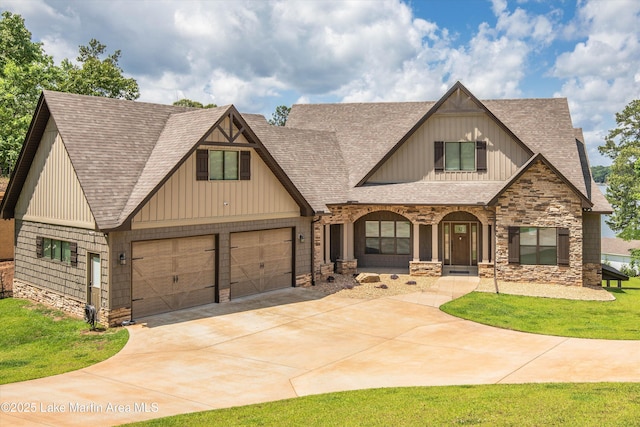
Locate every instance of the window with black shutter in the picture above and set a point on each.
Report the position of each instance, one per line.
(202, 165)
(481, 156)
(223, 165)
(538, 246)
(456, 156)
(439, 156)
(245, 165)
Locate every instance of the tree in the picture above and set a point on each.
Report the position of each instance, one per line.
(24, 71)
(97, 77)
(279, 117)
(600, 173)
(622, 144)
(185, 102)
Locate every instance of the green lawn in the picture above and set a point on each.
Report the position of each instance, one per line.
(37, 342)
(600, 404)
(616, 320)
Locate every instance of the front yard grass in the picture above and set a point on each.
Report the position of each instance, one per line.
(36, 342)
(614, 320)
(594, 404)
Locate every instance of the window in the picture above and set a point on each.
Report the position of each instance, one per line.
(57, 250)
(460, 156)
(388, 237)
(223, 165)
(539, 245)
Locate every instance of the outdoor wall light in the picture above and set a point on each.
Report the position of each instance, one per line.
(123, 259)
(301, 238)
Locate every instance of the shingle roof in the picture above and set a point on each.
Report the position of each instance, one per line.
(617, 246)
(123, 150)
(109, 142)
(365, 132)
(176, 141)
(311, 159)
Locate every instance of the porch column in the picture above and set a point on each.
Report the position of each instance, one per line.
(347, 241)
(434, 242)
(416, 242)
(327, 243)
(485, 242)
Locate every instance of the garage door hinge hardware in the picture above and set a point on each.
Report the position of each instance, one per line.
(212, 286)
(134, 259)
(137, 299)
(233, 283)
(175, 279)
(235, 247)
(210, 250)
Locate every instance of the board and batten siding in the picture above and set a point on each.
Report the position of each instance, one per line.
(183, 200)
(414, 160)
(52, 193)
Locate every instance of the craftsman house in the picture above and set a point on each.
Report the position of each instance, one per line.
(142, 208)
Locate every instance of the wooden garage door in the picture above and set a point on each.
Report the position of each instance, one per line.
(261, 261)
(172, 274)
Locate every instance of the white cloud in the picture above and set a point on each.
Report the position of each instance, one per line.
(600, 72)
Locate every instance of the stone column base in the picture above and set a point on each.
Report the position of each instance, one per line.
(347, 266)
(303, 280)
(592, 274)
(425, 268)
(485, 270)
(325, 270)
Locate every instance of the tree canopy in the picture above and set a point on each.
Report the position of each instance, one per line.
(186, 102)
(279, 117)
(622, 144)
(600, 173)
(25, 70)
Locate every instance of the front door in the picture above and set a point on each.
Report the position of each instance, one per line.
(460, 244)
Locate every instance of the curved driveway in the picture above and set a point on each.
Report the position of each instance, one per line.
(297, 342)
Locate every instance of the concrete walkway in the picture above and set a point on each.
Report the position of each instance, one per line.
(296, 342)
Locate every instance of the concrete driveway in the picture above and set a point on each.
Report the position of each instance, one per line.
(295, 342)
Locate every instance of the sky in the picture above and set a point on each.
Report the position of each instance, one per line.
(258, 54)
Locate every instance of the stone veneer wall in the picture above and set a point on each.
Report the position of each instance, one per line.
(539, 198)
(54, 283)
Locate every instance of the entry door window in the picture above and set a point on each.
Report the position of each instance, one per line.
(388, 237)
(95, 271)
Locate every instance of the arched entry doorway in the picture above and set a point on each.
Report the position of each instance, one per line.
(461, 237)
(383, 239)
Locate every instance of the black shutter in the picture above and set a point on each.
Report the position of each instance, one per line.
(39, 245)
(202, 165)
(563, 246)
(245, 165)
(438, 155)
(481, 155)
(514, 245)
(73, 247)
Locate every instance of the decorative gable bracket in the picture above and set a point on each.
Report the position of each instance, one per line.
(230, 135)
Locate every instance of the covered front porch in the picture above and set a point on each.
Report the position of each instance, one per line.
(420, 240)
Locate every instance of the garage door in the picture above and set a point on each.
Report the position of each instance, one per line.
(172, 274)
(261, 261)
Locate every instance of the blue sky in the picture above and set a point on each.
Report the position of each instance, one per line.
(260, 54)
